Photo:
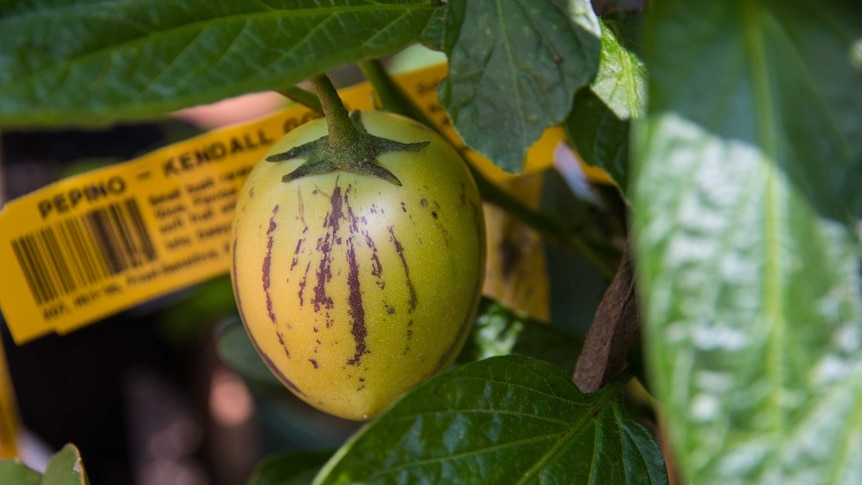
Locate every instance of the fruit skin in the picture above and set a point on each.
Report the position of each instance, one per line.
(353, 289)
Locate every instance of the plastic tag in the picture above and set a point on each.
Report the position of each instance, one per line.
(10, 422)
(97, 243)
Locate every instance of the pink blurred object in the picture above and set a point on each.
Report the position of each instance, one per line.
(232, 110)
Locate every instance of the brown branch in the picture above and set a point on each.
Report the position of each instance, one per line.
(615, 330)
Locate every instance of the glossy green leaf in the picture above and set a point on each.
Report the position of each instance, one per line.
(501, 331)
(598, 125)
(89, 61)
(289, 468)
(65, 468)
(502, 420)
(751, 288)
(514, 67)
(619, 82)
(13, 472)
(236, 350)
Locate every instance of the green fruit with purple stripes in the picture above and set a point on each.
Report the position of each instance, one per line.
(355, 288)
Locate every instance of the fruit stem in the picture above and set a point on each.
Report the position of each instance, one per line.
(347, 145)
(342, 133)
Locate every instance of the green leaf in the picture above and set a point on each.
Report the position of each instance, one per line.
(797, 65)
(620, 80)
(202, 305)
(598, 125)
(502, 420)
(500, 331)
(514, 67)
(751, 291)
(65, 468)
(432, 36)
(90, 61)
(236, 350)
(289, 468)
(14, 472)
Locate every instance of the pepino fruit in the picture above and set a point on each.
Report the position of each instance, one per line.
(358, 279)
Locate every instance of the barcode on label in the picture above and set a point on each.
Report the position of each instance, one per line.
(80, 251)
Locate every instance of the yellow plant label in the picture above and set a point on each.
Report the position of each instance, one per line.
(9, 419)
(94, 244)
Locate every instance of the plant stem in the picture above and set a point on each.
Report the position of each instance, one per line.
(301, 96)
(395, 100)
(544, 225)
(392, 97)
(342, 133)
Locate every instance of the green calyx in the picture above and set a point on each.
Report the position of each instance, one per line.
(348, 146)
(358, 155)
